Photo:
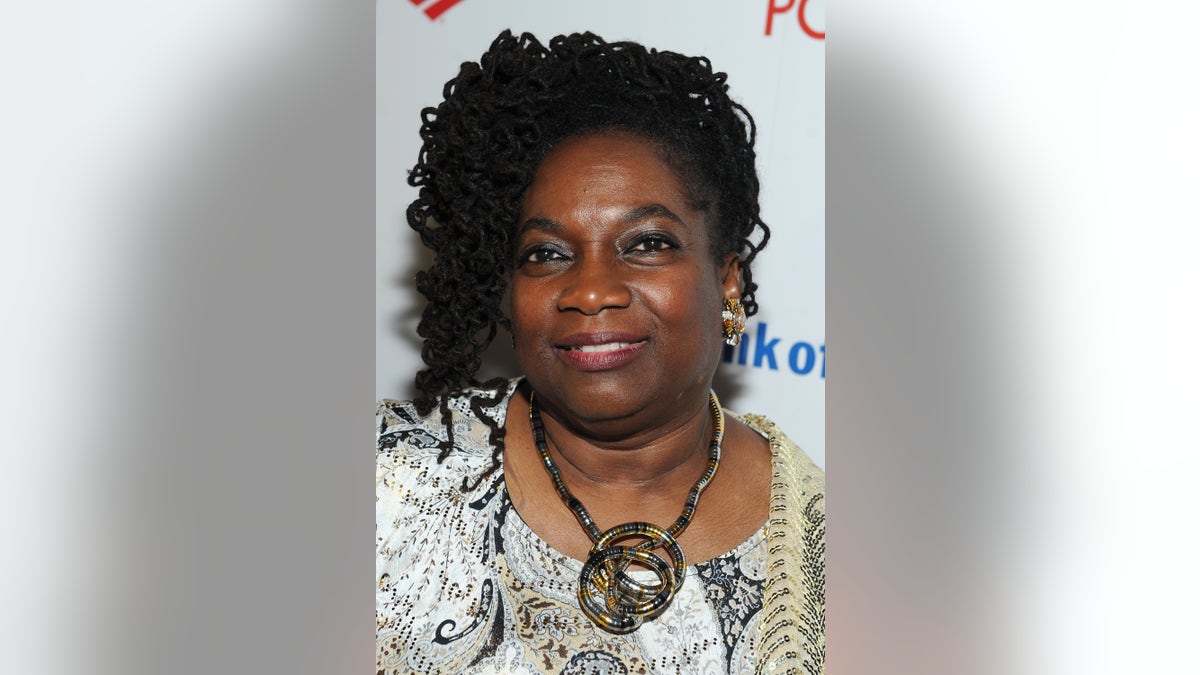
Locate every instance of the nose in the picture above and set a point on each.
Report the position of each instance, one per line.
(593, 286)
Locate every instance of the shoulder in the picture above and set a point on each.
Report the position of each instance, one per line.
(449, 443)
(432, 534)
(400, 428)
(797, 483)
(794, 594)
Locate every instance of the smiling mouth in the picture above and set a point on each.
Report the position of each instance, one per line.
(606, 347)
(599, 352)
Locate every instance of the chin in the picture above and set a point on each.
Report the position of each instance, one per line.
(600, 400)
(593, 397)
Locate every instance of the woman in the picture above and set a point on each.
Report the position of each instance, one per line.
(600, 513)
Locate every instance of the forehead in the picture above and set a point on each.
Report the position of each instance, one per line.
(611, 167)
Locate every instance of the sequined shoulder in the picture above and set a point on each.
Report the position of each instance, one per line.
(399, 426)
(432, 534)
(792, 633)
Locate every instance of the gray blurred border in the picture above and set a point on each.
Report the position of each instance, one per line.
(922, 488)
(239, 538)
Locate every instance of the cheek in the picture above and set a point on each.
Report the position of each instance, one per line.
(698, 290)
(528, 310)
(692, 308)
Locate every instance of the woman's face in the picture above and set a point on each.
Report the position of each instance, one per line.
(616, 294)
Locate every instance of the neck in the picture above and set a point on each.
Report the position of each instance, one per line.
(661, 461)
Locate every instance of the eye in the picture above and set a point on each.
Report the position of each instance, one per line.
(652, 243)
(540, 254)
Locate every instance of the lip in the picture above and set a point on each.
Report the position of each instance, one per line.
(628, 349)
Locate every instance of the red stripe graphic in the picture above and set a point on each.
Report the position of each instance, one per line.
(436, 9)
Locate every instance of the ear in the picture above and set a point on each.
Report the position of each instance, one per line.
(731, 275)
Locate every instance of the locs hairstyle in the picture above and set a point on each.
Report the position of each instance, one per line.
(482, 146)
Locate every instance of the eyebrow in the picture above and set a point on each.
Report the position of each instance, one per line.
(652, 211)
(640, 213)
(543, 224)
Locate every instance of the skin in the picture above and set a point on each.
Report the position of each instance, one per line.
(608, 244)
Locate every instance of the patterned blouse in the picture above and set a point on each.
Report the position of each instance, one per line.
(465, 586)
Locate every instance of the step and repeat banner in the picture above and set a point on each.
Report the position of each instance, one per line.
(774, 53)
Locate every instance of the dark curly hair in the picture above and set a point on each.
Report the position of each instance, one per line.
(483, 144)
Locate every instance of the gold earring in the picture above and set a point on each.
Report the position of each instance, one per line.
(733, 321)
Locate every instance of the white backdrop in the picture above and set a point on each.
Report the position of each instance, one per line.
(774, 53)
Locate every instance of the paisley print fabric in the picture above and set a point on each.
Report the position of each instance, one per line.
(465, 586)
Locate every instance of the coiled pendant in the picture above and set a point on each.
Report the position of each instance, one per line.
(612, 598)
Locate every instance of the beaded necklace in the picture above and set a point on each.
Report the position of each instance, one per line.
(611, 598)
